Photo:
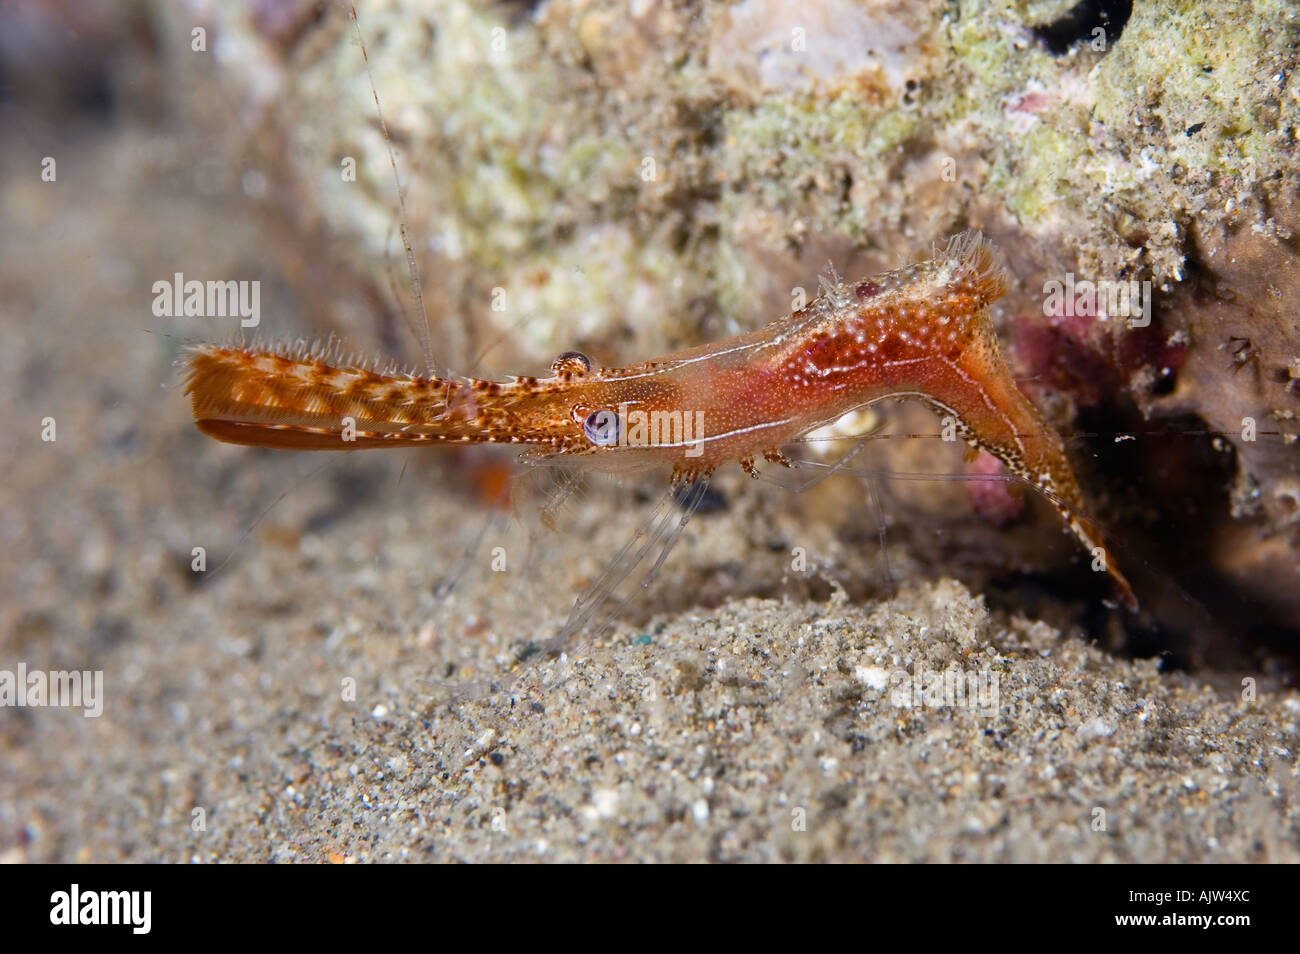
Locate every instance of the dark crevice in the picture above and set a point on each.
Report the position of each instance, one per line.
(1164, 500)
(1081, 23)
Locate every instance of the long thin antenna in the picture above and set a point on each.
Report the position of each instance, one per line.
(423, 329)
(878, 514)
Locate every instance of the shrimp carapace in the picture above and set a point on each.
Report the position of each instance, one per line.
(921, 331)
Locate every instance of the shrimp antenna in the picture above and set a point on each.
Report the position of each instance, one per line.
(422, 330)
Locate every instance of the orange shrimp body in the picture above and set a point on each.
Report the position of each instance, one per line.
(921, 331)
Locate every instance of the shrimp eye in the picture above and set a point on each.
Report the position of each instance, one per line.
(601, 428)
(574, 363)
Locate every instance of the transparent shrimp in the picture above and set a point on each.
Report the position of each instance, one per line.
(921, 331)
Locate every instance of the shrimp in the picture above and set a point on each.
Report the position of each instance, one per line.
(922, 331)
